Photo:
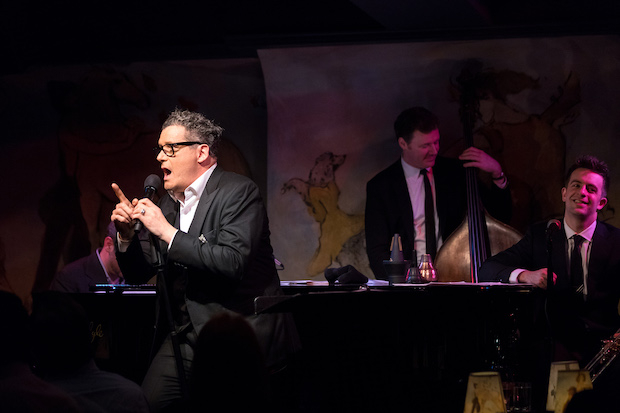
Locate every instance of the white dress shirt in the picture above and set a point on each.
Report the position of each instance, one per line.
(415, 185)
(187, 207)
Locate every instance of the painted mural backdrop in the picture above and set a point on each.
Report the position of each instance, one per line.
(69, 131)
(541, 103)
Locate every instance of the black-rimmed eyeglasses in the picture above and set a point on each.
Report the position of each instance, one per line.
(169, 148)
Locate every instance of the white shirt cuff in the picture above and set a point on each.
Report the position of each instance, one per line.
(172, 239)
(514, 275)
(122, 244)
(502, 183)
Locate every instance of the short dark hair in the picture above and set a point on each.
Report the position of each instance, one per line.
(111, 231)
(198, 128)
(593, 164)
(414, 119)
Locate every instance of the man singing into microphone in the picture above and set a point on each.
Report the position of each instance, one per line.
(214, 238)
(583, 308)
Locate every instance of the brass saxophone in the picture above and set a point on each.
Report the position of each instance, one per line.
(604, 358)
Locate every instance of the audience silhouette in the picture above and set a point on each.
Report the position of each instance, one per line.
(229, 372)
(63, 357)
(20, 389)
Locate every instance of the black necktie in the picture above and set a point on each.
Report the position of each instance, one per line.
(576, 267)
(429, 214)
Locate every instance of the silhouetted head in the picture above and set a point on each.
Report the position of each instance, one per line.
(61, 331)
(16, 336)
(228, 371)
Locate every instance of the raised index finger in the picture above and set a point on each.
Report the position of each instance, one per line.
(119, 194)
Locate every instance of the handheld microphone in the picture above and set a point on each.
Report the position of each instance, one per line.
(152, 183)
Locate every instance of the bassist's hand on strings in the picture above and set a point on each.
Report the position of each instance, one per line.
(477, 158)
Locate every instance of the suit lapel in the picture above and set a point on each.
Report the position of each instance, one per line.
(206, 199)
(170, 209)
(404, 200)
(560, 257)
(600, 250)
(172, 213)
(444, 199)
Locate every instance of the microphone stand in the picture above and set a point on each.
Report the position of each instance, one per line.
(550, 285)
(163, 290)
(549, 295)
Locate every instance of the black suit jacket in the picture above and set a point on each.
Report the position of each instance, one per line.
(571, 315)
(389, 210)
(80, 275)
(225, 260)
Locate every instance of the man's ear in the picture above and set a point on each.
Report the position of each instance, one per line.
(108, 244)
(601, 204)
(564, 194)
(402, 143)
(205, 151)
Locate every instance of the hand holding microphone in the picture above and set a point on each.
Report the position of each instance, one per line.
(152, 183)
(148, 215)
(123, 215)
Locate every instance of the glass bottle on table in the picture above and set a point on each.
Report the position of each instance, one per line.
(427, 270)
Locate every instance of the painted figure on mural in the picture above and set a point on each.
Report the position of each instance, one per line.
(320, 193)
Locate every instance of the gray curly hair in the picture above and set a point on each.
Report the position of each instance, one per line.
(197, 128)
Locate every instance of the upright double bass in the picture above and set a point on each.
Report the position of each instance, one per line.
(480, 235)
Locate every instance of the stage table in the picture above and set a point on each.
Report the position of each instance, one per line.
(376, 347)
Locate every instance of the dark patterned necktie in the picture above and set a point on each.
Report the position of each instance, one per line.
(576, 264)
(429, 214)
